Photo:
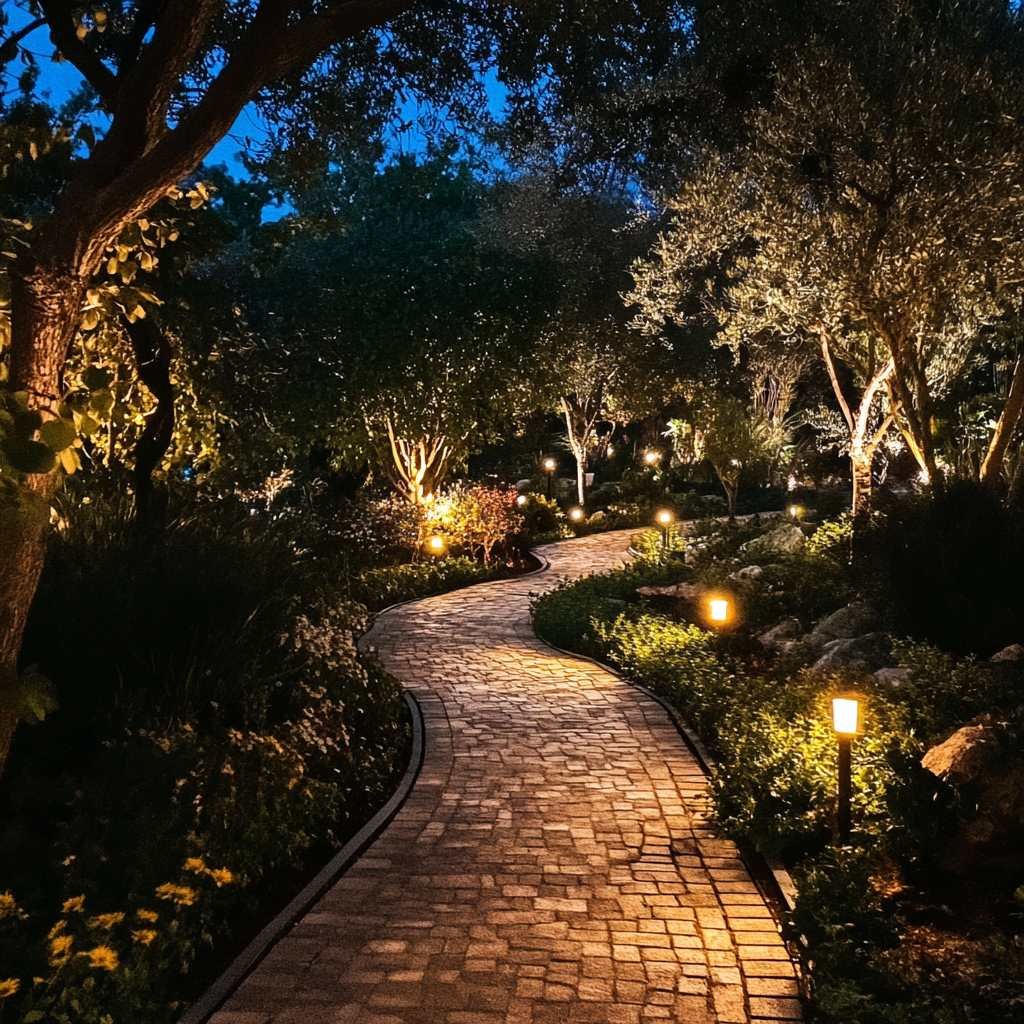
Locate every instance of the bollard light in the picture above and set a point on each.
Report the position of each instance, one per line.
(437, 545)
(796, 512)
(652, 456)
(550, 466)
(847, 724)
(718, 610)
(664, 519)
(522, 501)
(576, 514)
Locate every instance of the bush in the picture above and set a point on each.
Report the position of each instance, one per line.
(542, 519)
(386, 585)
(948, 570)
(216, 725)
(476, 518)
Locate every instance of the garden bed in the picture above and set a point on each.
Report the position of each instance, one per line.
(892, 934)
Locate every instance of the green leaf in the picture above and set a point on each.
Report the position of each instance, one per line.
(37, 697)
(58, 434)
(28, 456)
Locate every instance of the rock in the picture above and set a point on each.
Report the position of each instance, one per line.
(1015, 652)
(963, 757)
(774, 638)
(893, 677)
(747, 577)
(785, 539)
(676, 591)
(863, 653)
(856, 619)
(977, 757)
(523, 486)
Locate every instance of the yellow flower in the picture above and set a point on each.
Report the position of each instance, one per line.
(144, 936)
(180, 894)
(103, 958)
(222, 876)
(76, 903)
(107, 920)
(195, 865)
(60, 948)
(9, 987)
(147, 915)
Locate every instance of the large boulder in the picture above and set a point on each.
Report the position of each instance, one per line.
(862, 653)
(855, 619)
(674, 591)
(990, 776)
(775, 638)
(746, 578)
(1015, 652)
(785, 539)
(894, 678)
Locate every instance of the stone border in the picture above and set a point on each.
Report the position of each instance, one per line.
(247, 961)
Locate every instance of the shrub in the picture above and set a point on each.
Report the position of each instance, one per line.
(477, 518)
(542, 519)
(948, 570)
(390, 584)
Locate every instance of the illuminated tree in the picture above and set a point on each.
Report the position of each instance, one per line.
(875, 208)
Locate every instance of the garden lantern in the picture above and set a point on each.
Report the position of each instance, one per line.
(522, 500)
(576, 514)
(549, 467)
(796, 512)
(437, 545)
(652, 457)
(847, 725)
(664, 519)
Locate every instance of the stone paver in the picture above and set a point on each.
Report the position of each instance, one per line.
(553, 863)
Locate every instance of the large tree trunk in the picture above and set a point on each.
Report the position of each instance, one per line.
(992, 466)
(45, 306)
(581, 474)
(153, 361)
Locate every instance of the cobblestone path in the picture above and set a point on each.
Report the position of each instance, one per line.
(553, 862)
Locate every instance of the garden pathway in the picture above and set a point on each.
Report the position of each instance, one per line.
(553, 862)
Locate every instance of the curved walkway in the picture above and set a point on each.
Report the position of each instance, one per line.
(553, 862)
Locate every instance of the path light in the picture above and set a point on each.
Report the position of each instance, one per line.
(437, 545)
(664, 519)
(522, 501)
(796, 512)
(550, 466)
(719, 610)
(576, 514)
(846, 723)
(652, 456)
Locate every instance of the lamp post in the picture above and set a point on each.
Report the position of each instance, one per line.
(846, 723)
(436, 545)
(549, 467)
(664, 519)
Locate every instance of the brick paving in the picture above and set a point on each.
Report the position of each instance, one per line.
(553, 863)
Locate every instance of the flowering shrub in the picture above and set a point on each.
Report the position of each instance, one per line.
(477, 518)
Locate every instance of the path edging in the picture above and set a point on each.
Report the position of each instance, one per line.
(246, 962)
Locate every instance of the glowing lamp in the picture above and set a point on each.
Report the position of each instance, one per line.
(522, 501)
(664, 517)
(652, 457)
(718, 610)
(576, 514)
(549, 465)
(846, 715)
(795, 511)
(437, 545)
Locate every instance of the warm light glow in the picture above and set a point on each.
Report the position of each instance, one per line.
(718, 609)
(522, 501)
(576, 514)
(437, 544)
(664, 517)
(651, 456)
(846, 715)
(795, 511)
(550, 465)
(924, 477)
(611, 451)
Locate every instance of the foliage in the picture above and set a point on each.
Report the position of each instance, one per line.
(947, 569)
(542, 518)
(219, 673)
(386, 585)
(476, 518)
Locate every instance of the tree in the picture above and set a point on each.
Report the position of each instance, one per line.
(171, 79)
(875, 208)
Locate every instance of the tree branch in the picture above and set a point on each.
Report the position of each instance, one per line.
(85, 60)
(826, 354)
